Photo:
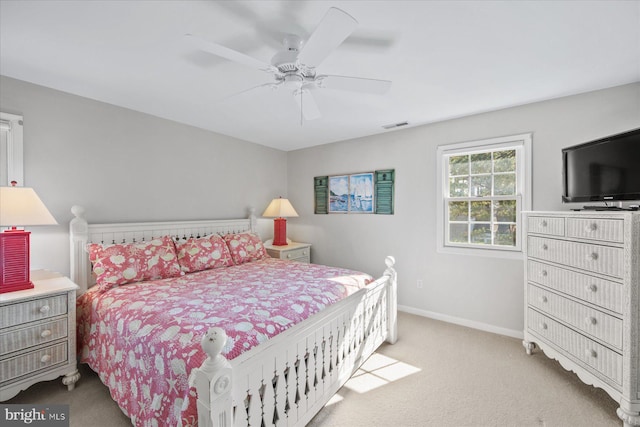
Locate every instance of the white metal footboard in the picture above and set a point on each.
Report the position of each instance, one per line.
(288, 379)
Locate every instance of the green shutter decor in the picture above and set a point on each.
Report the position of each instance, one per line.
(321, 185)
(384, 191)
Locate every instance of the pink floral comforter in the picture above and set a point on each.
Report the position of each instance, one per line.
(143, 339)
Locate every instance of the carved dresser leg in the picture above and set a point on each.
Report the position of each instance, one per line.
(71, 379)
(629, 419)
(529, 346)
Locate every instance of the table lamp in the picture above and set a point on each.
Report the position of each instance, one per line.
(19, 206)
(279, 209)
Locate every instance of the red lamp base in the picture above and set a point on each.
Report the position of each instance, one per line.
(14, 261)
(280, 232)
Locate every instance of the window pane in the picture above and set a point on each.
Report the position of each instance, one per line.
(481, 211)
(459, 165)
(481, 234)
(504, 184)
(459, 233)
(505, 235)
(459, 187)
(504, 210)
(458, 211)
(504, 161)
(481, 186)
(481, 163)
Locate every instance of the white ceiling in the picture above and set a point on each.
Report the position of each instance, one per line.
(446, 59)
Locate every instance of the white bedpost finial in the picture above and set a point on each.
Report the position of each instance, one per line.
(392, 335)
(213, 381)
(79, 237)
(252, 218)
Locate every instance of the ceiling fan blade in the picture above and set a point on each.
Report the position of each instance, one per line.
(273, 86)
(229, 54)
(354, 84)
(307, 104)
(334, 28)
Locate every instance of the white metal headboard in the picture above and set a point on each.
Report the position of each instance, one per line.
(81, 233)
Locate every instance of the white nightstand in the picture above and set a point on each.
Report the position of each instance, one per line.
(294, 251)
(38, 334)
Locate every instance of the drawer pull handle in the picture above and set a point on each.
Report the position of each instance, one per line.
(592, 227)
(304, 252)
(45, 333)
(592, 288)
(545, 247)
(544, 223)
(593, 256)
(46, 358)
(288, 255)
(544, 273)
(543, 326)
(590, 320)
(44, 309)
(543, 298)
(591, 353)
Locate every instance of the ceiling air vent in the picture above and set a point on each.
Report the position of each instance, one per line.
(395, 125)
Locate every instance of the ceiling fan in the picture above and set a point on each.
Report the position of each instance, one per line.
(294, 68)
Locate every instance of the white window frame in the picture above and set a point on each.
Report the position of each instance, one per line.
(11, 156)
(522, 144)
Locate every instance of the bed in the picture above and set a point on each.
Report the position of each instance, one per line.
(171, 356)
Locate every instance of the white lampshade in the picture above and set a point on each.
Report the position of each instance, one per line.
(280, 208)
(20, 206)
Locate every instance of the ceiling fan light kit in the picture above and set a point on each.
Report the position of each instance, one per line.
(294, 68)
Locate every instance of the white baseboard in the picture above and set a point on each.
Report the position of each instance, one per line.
(463, 322)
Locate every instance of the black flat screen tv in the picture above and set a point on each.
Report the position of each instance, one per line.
(606, 169)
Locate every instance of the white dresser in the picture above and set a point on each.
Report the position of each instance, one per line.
(38, 334)
(582, 298)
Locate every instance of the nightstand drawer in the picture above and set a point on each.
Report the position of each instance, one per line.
(23, 364)
(20, 339)
(605, 230)
(296, 254)
(42, 308)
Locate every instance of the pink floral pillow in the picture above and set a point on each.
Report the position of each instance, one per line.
(196, 254)
(119, 264)
(245, 247)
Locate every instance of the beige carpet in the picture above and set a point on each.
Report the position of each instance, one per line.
(437, 374)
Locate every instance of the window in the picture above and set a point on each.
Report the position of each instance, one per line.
(482, 188)
(10, 149)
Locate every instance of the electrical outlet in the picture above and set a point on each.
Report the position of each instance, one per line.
(419, 284)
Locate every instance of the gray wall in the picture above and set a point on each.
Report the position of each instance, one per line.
(125, 166)
(478, 291)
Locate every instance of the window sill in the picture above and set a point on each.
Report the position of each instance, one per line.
(489, 253)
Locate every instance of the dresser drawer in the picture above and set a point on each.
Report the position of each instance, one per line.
(23, 364)
(601, 292)
(28, 311)
(599, 259)
(551, 226)
(605, 230)
(604, 361)
(600, 325)
(41, 333)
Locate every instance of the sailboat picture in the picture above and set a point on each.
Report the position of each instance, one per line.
(361, 193)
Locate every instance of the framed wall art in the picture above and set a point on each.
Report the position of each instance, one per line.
(365, 192)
